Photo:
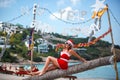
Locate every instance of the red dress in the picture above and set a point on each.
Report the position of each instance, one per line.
(63, 60)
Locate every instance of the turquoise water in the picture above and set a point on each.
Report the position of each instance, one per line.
(106, 72)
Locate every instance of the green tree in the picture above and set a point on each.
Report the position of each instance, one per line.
(7, 57)
(20, 26)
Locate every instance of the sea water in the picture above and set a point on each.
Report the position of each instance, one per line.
(103, 72)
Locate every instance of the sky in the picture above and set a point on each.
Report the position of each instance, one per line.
(67, 17)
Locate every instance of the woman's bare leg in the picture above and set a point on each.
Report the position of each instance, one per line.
(51, 67)
(49, 59)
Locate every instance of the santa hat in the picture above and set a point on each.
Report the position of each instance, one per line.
(70, 41)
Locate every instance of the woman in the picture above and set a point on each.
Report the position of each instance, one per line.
(61, 62)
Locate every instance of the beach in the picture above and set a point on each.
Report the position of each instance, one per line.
(15, 77)
(11, 77)
(81, 76)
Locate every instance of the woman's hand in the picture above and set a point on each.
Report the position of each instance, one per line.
(59, 46)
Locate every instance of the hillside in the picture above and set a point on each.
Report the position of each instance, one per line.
(19, 50)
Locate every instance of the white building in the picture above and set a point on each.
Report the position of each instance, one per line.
(2, 43)
(43, 48)
(8, 27)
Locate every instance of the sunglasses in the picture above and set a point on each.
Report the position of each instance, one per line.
(68, 43)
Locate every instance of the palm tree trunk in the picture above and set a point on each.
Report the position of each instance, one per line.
(73, 69)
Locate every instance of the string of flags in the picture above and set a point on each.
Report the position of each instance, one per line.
(31, 42)
(96, 15)
(86, 44)
(93, 41)
(94, 26)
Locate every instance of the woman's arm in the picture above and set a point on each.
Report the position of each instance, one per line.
(59, 46)
(76, 55)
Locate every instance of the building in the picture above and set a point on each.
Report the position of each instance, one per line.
(43, 45)
(43, 48)
(9, 27)
(2, 44)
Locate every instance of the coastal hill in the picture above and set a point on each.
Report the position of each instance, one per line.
(18, 52)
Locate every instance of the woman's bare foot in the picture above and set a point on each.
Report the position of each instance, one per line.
(35, 73)
(30, 74)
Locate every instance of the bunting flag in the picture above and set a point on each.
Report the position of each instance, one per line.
(31, 43)
(99, 13)
(29, 53)
(85, 44)
(93, 41)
